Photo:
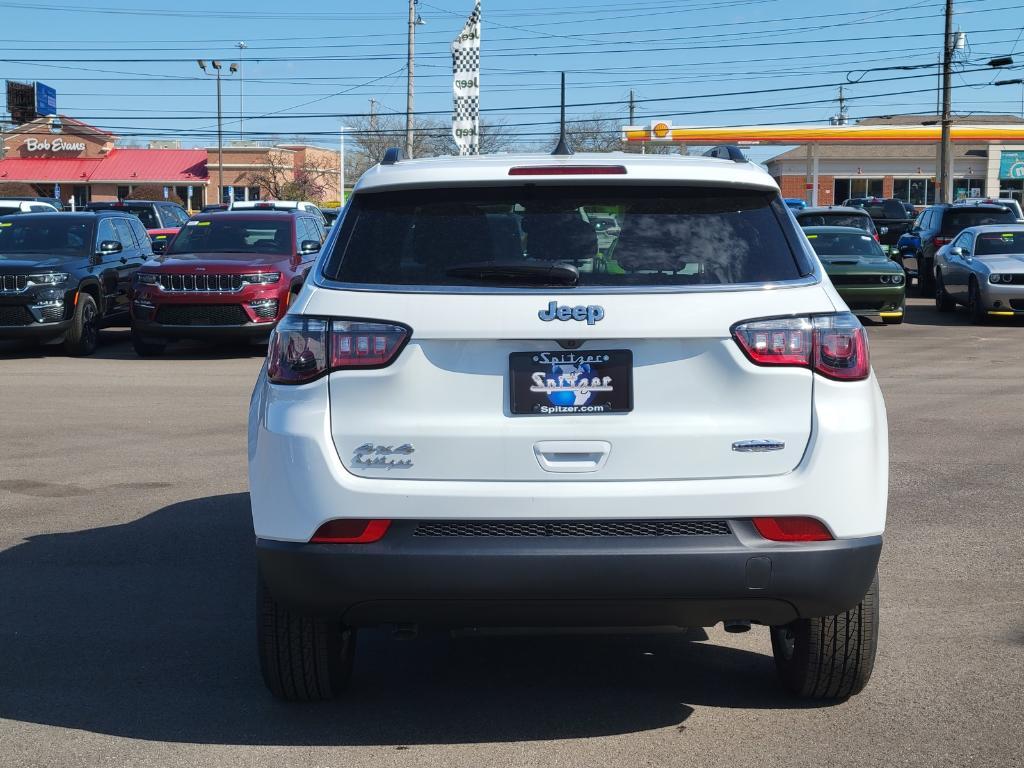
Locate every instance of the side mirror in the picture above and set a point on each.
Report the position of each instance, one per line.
(107, 247)
(958, 251)
(309, 246)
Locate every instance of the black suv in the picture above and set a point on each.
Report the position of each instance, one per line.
(65, 275)
(161, 219)
(936, 226)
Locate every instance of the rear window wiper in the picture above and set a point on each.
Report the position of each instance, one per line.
(517, 273)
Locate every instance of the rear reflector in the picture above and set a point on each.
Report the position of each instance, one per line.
(567, 170)
(350, 532)
(792, 529)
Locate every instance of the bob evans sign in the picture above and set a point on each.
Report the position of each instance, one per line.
(54, 145)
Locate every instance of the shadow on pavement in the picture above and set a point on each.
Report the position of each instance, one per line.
(115, 344)
(146, 630)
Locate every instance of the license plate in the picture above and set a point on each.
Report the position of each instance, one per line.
(566, 382)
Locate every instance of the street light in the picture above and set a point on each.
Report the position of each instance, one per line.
(232, 69)
(1015, 81)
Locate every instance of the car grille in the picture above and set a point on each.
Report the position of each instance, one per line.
(16, 315)
(13, 283)
(572, 528)
(202, 314)
(865, 305)
(52, 314)
(265, 309)
(188, 283)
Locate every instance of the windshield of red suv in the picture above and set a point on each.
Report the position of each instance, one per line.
(54, 236)
(226, 236)
(665, 236)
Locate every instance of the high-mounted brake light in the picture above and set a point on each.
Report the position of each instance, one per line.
(792, 529)
(567, 170)
(833, 345)
(302, 349)
(350, 532)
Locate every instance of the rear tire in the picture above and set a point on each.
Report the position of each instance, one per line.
(144, 348)
(302, 658)
(943, 301)
(84, 334)
(831, 657)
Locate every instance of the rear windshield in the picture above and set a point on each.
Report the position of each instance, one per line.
(958, 219)
(991, 243)
(860, 221)
(845, 244)
(613, 235)
(228, 235)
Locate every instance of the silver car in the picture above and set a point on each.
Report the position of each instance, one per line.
(983, 269)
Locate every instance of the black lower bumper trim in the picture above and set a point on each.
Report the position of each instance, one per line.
(613, 581)
(247, 331)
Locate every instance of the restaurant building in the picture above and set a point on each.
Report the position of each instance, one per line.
(80, 163)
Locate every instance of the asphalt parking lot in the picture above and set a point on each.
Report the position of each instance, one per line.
(127, 633)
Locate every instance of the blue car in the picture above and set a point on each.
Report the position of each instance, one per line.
(795, 203)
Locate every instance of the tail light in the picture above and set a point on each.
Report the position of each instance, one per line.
(833, 345)
(792, 529)
(877, 238)
(938, 242)
(350, 532)
(303, 349)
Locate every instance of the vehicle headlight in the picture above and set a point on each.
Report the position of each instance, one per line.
(897, 279)
(1006, 278)
(147, 278)
(263, 278)
(48, 278)
(993, 278)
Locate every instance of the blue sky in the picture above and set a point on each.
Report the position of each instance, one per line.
(130, 66)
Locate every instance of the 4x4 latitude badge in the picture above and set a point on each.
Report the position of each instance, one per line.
(555, 311)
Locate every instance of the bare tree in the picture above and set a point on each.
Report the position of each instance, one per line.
(281, 180)
(153, 192)
(597, 133)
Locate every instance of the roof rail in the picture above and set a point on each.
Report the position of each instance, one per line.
(727, 152)
(392, 155)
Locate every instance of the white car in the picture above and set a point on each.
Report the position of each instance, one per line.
(455, 430)
(8, 207)
(279, 205)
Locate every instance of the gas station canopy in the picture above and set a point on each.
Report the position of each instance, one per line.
(661, 131)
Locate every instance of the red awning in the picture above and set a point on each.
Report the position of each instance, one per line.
(135, 166)
(121, 166)
(41, 170)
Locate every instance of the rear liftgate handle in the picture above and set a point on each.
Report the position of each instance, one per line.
(572, 455)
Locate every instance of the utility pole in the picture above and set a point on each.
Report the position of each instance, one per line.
(842, 107)
(373, 114)
(946, 151)
(632, 106)
(241, 80)
(232, 69)
(410, 74)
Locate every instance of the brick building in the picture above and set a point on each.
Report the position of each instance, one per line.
(74, 161)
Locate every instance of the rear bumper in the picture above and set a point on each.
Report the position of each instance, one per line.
(568, 581)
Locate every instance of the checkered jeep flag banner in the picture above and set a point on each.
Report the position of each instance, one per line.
(466, 85)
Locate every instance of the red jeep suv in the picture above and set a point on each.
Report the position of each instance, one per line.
(225, 275)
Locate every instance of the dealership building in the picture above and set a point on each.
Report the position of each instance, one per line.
(66, 158)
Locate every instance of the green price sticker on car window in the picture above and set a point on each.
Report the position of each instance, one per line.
(811, 237)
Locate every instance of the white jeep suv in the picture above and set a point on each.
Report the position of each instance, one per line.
(478, 412)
